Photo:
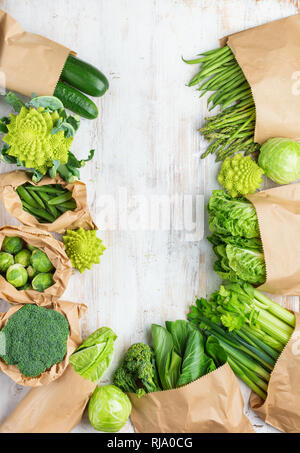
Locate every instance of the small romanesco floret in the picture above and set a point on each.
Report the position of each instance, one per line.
(240, 175)
(32, 142)
(35, 339)
(137, 372)
(83, 248)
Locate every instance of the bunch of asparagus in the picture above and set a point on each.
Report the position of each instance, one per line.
(231, 130)
(46, 203)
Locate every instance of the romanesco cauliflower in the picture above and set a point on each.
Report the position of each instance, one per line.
(83, 248)
(30, 139)
(240, 175)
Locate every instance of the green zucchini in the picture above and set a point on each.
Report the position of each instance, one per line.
(75, 101)
(84, 77)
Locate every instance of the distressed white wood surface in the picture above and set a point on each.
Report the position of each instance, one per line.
(147, 144)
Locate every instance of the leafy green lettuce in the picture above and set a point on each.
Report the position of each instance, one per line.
(232, 216)
(236, 240)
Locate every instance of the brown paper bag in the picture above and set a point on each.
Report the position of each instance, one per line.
(56, 408)
(81, 217)
(281, 409)
(211, 404)
(72, 312)
(29, 63)
(278, 212)
(57, 255)
(269, 56)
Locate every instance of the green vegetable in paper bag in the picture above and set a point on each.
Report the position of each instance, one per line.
(280, 160)
(16, 275)
(6, 260)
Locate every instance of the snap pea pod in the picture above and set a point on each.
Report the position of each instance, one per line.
(46, 189)
(70, 205)
(24, 195)
(51, 209)
(39, 212)
(38, 199)
(60, 199)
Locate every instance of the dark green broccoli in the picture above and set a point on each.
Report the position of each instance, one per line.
(137, 373)
(35, 339)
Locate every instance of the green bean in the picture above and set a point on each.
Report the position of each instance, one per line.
(60, 199)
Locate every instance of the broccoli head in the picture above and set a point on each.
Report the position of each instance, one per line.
(137, 372)
(35, 339)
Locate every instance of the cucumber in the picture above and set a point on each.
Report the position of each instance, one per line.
(75, 101)
(84, 77)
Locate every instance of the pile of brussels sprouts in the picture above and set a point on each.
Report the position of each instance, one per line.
(25, 266)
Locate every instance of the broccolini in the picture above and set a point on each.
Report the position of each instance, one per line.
(137, 373)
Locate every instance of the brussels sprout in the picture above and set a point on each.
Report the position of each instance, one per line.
(40, 261)
(17, 275)
(12, 244)
(23, 257)
(109, 409)
(31, 272)
(42, 281)
(26, 286)
(6, 260)
(31, 247)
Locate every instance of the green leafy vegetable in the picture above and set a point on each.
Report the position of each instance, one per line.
(240, 175)
(109, 409)
(167, 359)
(236, 239)
(232, 217)
(189, 344)
(280, 160)
(95, 354)
(36, 339)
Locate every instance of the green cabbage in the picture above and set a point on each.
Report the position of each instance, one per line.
(109, 409)
(280, 160)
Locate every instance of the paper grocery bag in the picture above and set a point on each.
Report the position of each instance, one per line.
(211, 404)
(56, 408)
(278, 212)
(29, 63)
(55, 251)
(80, 217)
(72, 312)
(269, 56)
(281, 409)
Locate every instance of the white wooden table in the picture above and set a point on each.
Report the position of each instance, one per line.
(147, 147)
